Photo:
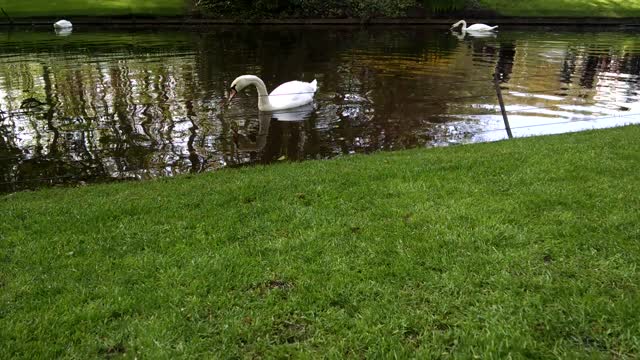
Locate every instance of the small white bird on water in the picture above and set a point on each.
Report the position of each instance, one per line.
(286, 96)
(62, 24)
(474, 27)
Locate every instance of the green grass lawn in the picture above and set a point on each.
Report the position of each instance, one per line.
(22, 8)
(526, 248)
(570, 8)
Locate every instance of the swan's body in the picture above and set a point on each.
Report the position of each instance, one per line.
(286, 96)
(474, 27)
(62, 24)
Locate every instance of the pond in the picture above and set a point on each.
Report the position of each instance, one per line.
(106, 105)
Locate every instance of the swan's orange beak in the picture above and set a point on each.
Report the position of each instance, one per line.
(232, 93)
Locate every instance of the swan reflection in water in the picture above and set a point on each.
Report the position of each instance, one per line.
(474, 34)
(63, 31)
(265, 118)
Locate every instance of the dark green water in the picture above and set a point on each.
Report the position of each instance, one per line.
(104, 106)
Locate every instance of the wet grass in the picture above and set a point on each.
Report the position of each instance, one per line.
(32, 8)
(569, 8)
(527, 248)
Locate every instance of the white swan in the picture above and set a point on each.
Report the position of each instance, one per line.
(474, 27)
(286, 96)
(62, 24)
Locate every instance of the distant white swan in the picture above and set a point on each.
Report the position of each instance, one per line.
(474, 27)
(62, 24)
(286, 96)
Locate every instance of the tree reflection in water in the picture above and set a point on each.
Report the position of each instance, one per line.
(132, 105)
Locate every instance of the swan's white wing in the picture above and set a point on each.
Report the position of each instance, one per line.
(292, 94)
(62, 24)
(480, 27)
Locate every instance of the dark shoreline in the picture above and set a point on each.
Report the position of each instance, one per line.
(198, 21)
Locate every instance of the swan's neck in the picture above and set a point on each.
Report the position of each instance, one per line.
(263, 95)
(464, 25)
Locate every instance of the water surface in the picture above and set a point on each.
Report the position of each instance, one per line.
(133, 104)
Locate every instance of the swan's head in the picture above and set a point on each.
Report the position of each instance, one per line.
(240, 83)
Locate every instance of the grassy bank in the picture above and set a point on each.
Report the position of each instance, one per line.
(526, 248)
(33, 8)
(318, 8)
(396, 8)
(565, 8)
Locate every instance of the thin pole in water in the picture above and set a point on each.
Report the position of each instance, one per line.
(496, 82)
